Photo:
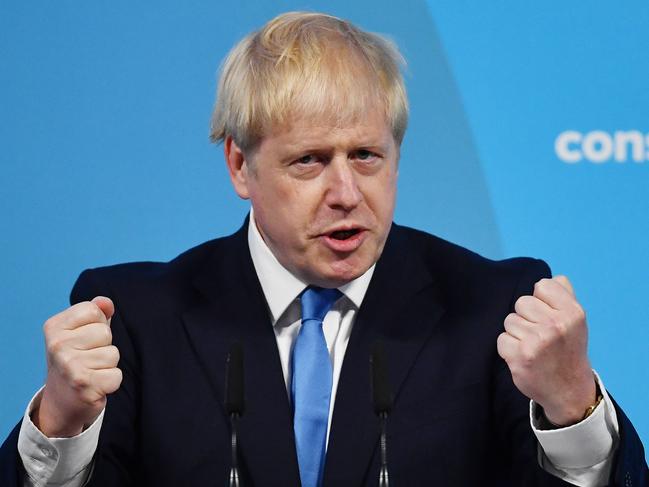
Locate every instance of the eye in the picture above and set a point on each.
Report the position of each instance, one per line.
(365, 155)
(308, 165)
(306, 159)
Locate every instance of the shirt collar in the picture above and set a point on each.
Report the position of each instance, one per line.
(280, 287)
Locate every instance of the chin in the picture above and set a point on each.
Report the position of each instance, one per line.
(341, 273)
(330, 271)
(331, 277)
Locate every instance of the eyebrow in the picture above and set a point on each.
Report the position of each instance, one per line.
(307, 147)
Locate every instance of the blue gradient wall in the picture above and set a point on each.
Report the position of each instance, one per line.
(104, 152)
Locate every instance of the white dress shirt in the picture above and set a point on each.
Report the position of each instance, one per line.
(581, 454)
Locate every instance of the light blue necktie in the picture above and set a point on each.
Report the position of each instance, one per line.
(311, 384)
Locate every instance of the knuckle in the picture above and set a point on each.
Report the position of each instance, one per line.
(90, 312)
(78, 380)
(100, 333)
(115, 354)
(523, 303)
(91, 397)
(111, 381)
(526, 299)
(95, 313)
(111, 356)
(544, 340)
(518, 304)
(56, 347)
(106, 334)
(579, 313)
(119, 376)
(49, 327)
(541, 284)
(65, 360)
(511, 317)
(559, 326)
(528, 356)
(552, 320)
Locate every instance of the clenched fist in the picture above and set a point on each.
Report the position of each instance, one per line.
(81, 368)
(545, 347)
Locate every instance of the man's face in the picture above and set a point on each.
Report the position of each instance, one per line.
(323, 196)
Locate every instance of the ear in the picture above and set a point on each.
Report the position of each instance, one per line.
(237, 167)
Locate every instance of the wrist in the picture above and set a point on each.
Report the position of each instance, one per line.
(53, 422)
(576, 411)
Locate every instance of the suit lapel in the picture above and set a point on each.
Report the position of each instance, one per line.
(233, 308)
(398, 310)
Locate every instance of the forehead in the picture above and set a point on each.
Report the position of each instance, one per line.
(369, 129)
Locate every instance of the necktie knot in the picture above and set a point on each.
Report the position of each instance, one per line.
(316, 302)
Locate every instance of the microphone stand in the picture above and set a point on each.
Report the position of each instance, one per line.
(234, 405)
(382, 402)
(384, 476)
(233, 478)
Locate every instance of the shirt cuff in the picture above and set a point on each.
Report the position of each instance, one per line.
(55, 461)
(580, 445)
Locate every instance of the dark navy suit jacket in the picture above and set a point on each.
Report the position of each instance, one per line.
(457, 419)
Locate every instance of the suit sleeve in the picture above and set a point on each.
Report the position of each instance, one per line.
(511, 410)
(11, 467)
(115, 461)
(630, 467)
(517, 461)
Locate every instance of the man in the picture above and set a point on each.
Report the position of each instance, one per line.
(312, 111)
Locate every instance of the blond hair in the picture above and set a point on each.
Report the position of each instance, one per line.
(307, 65)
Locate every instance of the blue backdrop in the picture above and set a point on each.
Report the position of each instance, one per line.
(529, 136)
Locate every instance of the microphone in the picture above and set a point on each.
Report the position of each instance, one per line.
(382, 402)
(234, 403)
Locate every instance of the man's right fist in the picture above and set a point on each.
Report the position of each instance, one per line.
(81, 368)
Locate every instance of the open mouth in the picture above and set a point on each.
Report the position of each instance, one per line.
(344, 234)
(345, 240)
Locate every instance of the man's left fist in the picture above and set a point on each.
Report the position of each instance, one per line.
(545, 346)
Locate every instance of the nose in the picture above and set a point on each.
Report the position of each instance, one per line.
(343, 191)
